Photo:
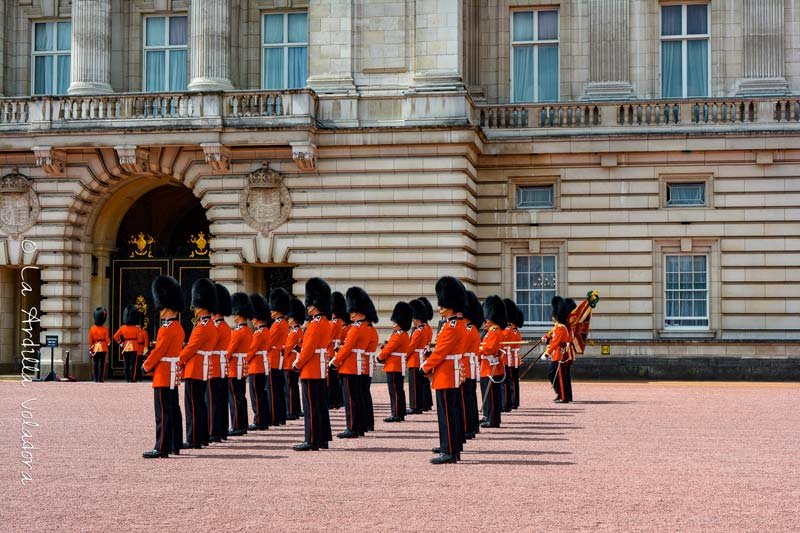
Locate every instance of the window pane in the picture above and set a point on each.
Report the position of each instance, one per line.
(273, 68)
(548, 25)
(177, 70)
(671, 20)
(43, 39)
(548, 73)
(523, 25)
(685, 194)
(298, 61)
(699, 263)
(697, 19)
(523, 73)
(155, 71)
(671, 76)
(155, 31)
(178, 31)
(64, 74)
(522, 263)
(530, 197)
(697, 72)
(298, 28)
(64, 35)
(273, 29)
(43, 84)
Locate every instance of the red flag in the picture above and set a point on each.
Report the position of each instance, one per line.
(579, 321)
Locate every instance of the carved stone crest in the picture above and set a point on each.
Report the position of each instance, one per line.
(265, 202)
(19, 204)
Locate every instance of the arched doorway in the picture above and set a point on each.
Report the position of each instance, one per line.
(165, 231)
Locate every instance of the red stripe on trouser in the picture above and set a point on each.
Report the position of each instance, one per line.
(258, 405)
(560, 380)
(194, 422)
(464, 409)
(272, 396)
(447, 420)
(210, 407)
(352, 414)
(310, 411)
(235, 403)
(161, 403)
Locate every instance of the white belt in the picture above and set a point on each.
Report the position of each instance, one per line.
(493, 360)
(280, 358)
(239, 363)
(517, 360)
(205, 355)
(263, 354)
(402, 357)
(456, 358)
(358, 361)
(223, 362)
(322, 365)
(472, 364)
(372, 358)
(173, 369)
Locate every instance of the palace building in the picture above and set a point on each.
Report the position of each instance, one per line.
(646, 149)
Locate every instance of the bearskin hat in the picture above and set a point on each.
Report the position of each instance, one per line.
(167, 294)
(495, 311)
(428, 307)
(297, 311)
(260, 307)
(402, 315)
(339, 306)
(520, 318)
(451, 294)
(130, 315)
(100, 315)
(204, 295)
(223, 300)
(240, 305)
(318, 294)
(358, 301)
(560, 312)
(474, 311)
(279, 300)
(512, 311)
(418, 310)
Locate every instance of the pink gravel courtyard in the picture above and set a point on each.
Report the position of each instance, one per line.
(632, 456)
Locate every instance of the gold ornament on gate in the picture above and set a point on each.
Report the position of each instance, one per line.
(141, 305)
(142, 245)
(200, 245)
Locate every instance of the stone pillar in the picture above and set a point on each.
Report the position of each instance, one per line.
(91, 47)
(209, 46)
(609, 57)
(763, 28)
(438, 45)
(3, 43)
(330, 46)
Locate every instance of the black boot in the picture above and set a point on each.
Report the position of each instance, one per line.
(304, 447)
(154, 454)
(444, 459)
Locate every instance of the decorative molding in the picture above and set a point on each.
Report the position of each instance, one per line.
(304, 155)
(218, 156)
(19, 204)
(132, 158)
(51, 160)
(265, 202)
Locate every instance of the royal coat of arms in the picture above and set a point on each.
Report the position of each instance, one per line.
(19, 204)
(265, 202)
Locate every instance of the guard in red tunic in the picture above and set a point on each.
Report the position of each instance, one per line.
(359, 302)
(493, 371)
(338, 323)
(279, 301)
(416, 348)
(559, 348)
(128, 338)
(473, 316)
(511, 348)
(394, 358)
(162, 363)
(241, 337)
(217, 391)
(99, 339)
(294, 342)
(258, 364)
(427, 397)
(443, 368)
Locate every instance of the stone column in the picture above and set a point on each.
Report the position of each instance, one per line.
(2, 43)
(763, 28)
(609, 56)
(330, 46)
(209, 46)
(91, 47)
(438, 45)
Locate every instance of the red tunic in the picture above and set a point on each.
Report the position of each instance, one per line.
(394, 354)
(444, 363)
(169, 340)
(196, 355)
(312, 361)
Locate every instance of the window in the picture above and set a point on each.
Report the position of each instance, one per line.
(284, 63)
(535, 197)
(534, 56)
(51, 57)
(535, 286)
(165, 50)
(686, 291)
(686, 194)
(684, 50)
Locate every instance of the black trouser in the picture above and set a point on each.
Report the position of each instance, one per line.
(366, 402)
(451, 422)
(194, 401)
(567, 369)
(315, 411)
(98, 367)
(353, 403)
(168, 428)
(277, 397)
(492, 401)
(217, 400)
(508, 391)
(560, 377)
(130, 366)
(415, 386)
(427, 395)
(259, 400)
(292, 393)
(469, 391)
(515, 384)
(397, 394)
(335, 400)
(237, 400)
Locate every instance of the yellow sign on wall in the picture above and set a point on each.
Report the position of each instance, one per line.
(605, 349)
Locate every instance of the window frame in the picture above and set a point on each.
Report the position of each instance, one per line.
(166, 48)
(684, 38)
(535, 44)
(285, 45)
(518, 190)
(515, 289)
(55, 53)
(667, 327)
(670, 184)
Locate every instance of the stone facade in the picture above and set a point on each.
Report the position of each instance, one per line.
(401, 161)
